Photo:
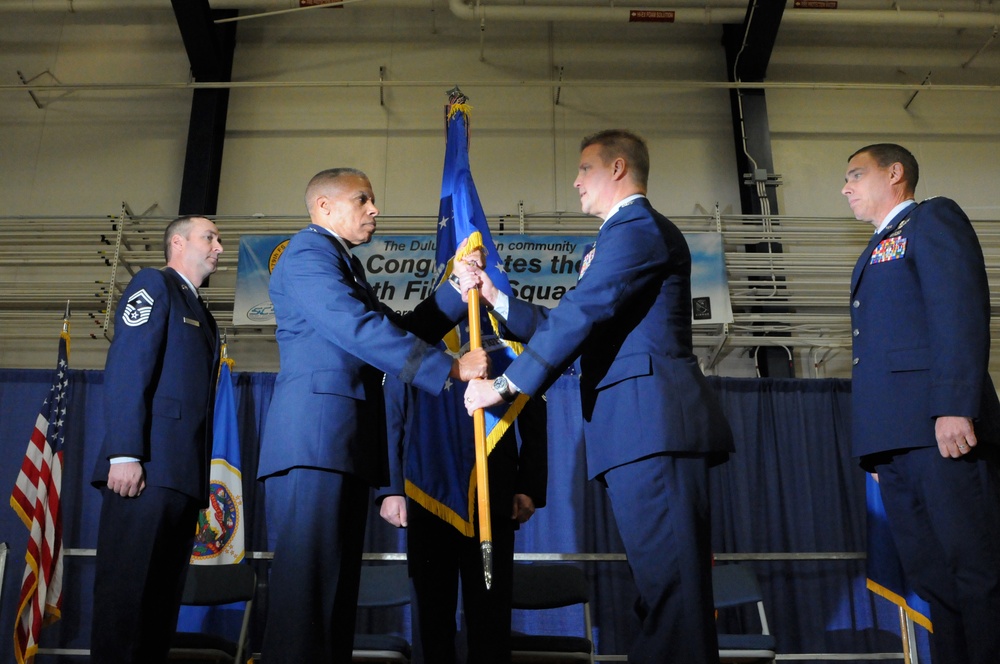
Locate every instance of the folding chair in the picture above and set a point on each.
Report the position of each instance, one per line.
(551, 586)
(382, 586)
(209, 585)
(736, 585)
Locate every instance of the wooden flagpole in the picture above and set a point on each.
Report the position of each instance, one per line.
(475, 243)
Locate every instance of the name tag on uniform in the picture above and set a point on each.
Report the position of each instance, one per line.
(889, 249)
(191, 321)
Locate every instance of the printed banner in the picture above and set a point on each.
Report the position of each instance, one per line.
(541, 269)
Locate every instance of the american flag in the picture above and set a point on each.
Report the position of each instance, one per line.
(36, 500)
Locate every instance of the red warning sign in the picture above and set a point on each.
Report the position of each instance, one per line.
(650, 16)
(815, 4)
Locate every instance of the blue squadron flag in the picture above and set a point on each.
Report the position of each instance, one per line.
(885, 573)
(442, 477)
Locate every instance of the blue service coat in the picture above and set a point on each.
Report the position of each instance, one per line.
(159, 384)
(629, 321)
(920, 313)
(335, 341)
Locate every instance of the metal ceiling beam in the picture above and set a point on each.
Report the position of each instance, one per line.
(210, 49)
(748, 52)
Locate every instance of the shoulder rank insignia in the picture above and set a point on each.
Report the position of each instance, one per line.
(889, 249)
(899, 228)
(137, 309)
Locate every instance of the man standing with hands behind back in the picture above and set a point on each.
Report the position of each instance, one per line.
(926, 418)
(652, 424)
(324, 442)
(153, 468)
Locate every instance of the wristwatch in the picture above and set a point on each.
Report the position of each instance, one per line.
(502, 386)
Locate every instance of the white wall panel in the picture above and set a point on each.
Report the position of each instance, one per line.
(87, 151)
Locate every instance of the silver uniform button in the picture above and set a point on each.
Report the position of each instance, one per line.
(856, 360)
(856, 303)
(856, 332)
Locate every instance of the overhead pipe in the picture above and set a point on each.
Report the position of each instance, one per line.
(684, 11)
(716, 15)
(586, 83)
(489, 12)
(81, 6)
(888, 17)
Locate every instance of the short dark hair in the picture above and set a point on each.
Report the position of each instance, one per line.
(178, 226)
(324, 178)
(616, 143)
(887, 154)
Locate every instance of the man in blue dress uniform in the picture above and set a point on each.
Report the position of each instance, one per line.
(926, 418)
(324, 441)
(652, 424)
(432, 464)
(153, 469)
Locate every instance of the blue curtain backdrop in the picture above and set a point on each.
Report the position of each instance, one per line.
(791, 487)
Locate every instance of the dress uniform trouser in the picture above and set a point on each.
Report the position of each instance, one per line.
(143, 548)
(944, 515)
(316, 520)
(661, 507)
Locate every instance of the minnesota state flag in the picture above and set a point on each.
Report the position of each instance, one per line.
(440, 465)
(219, 538)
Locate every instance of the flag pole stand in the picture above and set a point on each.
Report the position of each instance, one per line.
(904, 633)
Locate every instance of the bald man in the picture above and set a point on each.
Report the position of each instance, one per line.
(324, 442)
